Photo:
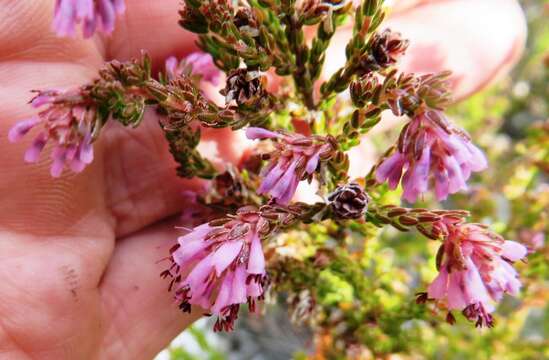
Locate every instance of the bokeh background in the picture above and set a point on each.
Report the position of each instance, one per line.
(510, 121)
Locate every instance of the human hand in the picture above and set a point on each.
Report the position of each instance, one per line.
(79, 254)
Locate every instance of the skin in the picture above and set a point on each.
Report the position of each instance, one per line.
(79, 255)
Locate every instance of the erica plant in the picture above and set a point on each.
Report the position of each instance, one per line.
(304, 124)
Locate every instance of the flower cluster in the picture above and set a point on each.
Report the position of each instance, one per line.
(476, 269)
(429, 149)
(296, 158)
(220, 265)
(92, 14)
(474, 263)
(67, 122)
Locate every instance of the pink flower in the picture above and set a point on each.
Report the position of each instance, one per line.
(430, 149)
(475, 271)
(218, 267)
(67, 124)
(200, 63)
(93, 14)
(296, 158)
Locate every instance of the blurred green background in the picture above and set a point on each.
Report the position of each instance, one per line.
(510, 122)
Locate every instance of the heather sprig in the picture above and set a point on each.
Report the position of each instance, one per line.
(246, 245)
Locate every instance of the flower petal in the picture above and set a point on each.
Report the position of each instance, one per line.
(513, 250)
(254, 133)
(226, 254)
(256, 262)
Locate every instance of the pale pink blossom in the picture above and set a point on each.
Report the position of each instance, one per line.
(475, 270)
(431, 152)
(296, 158)
(220, 267)
(94, 15)
(200, 64)
(69, 126)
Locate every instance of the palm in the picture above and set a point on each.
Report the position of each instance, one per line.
(78, 255)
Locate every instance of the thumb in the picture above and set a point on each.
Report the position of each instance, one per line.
(477, 40)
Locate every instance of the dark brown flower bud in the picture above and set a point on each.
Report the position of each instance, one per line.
(228, 184)
(364, 89)
(450, 318)
(313, 11)
(349, 201)
(384, 50)
(245, 87)
(421, 298)
(192, 20)
(245, 20)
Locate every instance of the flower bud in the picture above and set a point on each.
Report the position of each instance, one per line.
(384, 50)
(349, 201)
(244, 87)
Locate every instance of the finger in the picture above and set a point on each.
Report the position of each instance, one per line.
(140, 181)
(32, 201)
(26, 34)
(148, 26)
(477, 40)
(50, 306)
(137, 304)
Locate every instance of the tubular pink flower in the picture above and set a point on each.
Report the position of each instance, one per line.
(92, 14)
(201, 64)
(431, 151)
(68, 125)
(219, 267)
(475, 271)
(296, 158)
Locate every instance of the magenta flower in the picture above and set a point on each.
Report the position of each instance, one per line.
(201, 64)
(92, 14)
(431, 149)
(219, 267)
(475, 271)
(69, 126)
(296, 158)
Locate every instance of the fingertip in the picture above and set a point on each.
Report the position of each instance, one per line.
(479, 41)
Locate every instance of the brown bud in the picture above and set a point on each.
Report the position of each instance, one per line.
(421, 298)
(399, 227)
(397, 212)
(428, 218)
(450, 319)
(229, 187)
(245, 21)
(363, 89)
(387, 47)
(407, 220)
(193, 20)
(426, 232)
(349, 201)
(244, 87)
